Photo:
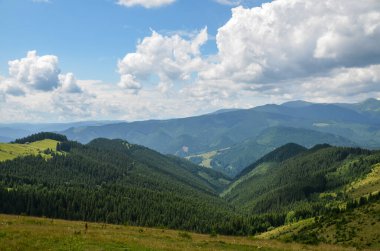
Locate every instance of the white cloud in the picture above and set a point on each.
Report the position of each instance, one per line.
(128, 82)
(145, 3)
(289, 39)
(168, 58)
(37, 72)
(69, 83)
(343, 83)
(229, 2)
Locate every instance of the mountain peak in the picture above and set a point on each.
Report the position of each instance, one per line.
(280, 154)
(296, 104)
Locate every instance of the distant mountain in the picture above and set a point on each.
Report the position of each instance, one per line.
(5, 139)
(12, 131)
(8, 134)
(232, 160)
(370, 107)
(242, 136)
(296, 104)
(203, 133)
(225, 110)
(182, 136)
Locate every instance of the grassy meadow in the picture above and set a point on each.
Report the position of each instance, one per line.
(12, 151)
(31, 233)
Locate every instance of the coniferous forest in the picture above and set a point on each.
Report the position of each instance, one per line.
(113, 181)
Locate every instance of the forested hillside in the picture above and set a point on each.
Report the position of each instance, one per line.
(293, 178)
(114, 181)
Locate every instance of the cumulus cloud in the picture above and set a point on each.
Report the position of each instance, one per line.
(37, 72)
(128, 82)
(289, 39)
(168, 58)
(68, 83)
(276, 49)
(145, 3)
(344, 83)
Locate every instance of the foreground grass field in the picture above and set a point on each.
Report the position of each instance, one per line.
(31, 233)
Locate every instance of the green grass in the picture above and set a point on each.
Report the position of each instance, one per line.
(286, 230)
(207, 157)
(369, 184)
(31, 233)
(12, 151)
(357, 228)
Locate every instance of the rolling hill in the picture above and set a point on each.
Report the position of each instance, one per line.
(112, 181)
(293, 176)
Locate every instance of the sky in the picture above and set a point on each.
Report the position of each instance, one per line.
(73, 60)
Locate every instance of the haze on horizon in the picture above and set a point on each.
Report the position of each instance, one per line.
(151, 59)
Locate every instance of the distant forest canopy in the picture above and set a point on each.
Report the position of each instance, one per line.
(41, 136)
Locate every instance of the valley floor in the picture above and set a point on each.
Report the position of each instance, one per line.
(31, 233)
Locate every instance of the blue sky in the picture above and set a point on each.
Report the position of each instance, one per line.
(90, 35)
(73, 60)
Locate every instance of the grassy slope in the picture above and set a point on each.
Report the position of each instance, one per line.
(12, 151)
(358, 227)
(31, 233)
(207, 157)
(369, 184)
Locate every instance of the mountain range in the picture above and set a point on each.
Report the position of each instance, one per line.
(230, 139)
(239, 137)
